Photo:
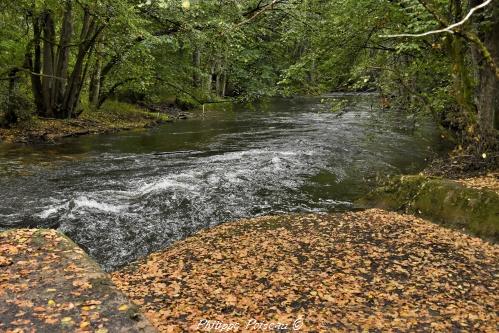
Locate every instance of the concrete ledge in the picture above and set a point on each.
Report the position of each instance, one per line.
(48, 284)
(442, 201)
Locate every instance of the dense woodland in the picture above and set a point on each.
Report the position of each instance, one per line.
(332, 229)
(59, 58)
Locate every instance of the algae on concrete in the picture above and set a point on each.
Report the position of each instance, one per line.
(442, 201)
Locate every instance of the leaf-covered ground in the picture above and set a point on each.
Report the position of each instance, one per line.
(370, 270)
(48, 284)
(489, 181)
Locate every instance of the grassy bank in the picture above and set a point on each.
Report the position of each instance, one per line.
(113, 116)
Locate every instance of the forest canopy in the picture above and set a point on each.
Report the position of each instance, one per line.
(59, 58)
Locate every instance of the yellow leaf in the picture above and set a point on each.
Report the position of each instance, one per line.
(84, 324)
(51, 302)
(231, 299)
(123, 307)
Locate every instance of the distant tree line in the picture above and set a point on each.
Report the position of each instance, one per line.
(59, 58)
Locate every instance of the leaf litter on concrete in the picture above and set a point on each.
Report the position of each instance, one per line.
(489, 181)
(358, 271)
(48, 284)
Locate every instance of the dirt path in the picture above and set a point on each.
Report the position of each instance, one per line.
(369, 270)
(48, 284)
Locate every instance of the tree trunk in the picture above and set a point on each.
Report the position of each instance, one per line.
(48, 62)
(487, 92)
(62, 60)
(34, 65)
(212, 84)
(89, 34)
(56, 92)
(224, 84)
(10, 114)
(217, 83)
(461, 75)
(196, 63)
(94, 89)
(217, 74)
(311, 73)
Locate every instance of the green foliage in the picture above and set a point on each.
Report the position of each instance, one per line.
(15, 104)
(245, 50)
(205, 51)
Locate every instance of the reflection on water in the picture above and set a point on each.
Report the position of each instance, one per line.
(124, 195)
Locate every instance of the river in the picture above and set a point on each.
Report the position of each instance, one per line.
(121, 196)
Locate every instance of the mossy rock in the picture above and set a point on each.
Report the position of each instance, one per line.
(441, 201)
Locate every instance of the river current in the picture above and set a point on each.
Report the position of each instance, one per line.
(122, 196)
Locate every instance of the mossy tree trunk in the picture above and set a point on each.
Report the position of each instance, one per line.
(462, 76)
(94, 89)
(487, 90)
(10, 116)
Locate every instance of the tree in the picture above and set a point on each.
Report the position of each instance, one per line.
(204, 51)
(59, 48)
(486, 25)
(56, 86)
(478, 44)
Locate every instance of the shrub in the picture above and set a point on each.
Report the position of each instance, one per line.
(14, 107)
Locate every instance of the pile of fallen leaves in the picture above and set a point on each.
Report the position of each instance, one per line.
(370, 270)
(48, 284)
(489, 181)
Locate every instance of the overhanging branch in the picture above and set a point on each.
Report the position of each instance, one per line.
(453, 29)
(450, 29)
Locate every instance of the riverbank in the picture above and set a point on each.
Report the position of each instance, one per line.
(468, 204)
(338, 272)
(112, 117)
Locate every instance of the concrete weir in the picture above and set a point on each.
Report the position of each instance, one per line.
(49, 284)
(442, 201)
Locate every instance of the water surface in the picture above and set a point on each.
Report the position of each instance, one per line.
(121, 196)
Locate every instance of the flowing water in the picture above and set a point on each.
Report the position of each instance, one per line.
(121, 196)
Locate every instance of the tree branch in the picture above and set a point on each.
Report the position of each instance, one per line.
(452, 29)
(260, 10)
(20, 69)
(449, 28)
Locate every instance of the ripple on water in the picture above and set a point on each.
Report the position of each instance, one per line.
(136, 193)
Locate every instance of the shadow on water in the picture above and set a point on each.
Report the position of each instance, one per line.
(121, 196)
